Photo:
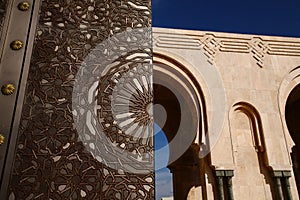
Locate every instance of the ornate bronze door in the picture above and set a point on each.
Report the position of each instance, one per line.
(75, 78)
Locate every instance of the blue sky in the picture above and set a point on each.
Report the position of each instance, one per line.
(266, 17)
(163, 178)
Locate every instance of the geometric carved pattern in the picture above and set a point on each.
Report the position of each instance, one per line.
(259, 49)
(116, 128)
(212, 44)
(50, 161)
(3, 4)
(129, 96)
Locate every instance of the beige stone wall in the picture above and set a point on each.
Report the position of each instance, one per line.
(257, 75)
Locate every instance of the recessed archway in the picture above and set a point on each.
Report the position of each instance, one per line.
(179, 94)
(292, 116)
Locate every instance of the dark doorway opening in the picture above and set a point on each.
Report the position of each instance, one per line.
(292, 116)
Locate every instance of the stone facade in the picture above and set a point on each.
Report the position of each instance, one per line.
(256, 75)
(225, 97)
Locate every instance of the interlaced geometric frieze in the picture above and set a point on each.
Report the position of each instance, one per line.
(213, 44)
(259, 50)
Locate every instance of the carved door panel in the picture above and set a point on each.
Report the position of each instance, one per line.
(76, 85)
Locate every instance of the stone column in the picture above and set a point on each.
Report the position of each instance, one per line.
(220, 187)
(224, 183)
(229, 187)
(283, 186)
(279, 188)
(286, 182)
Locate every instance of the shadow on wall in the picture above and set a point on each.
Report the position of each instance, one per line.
(292, 116)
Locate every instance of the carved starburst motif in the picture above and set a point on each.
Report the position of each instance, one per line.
(132, 102)
(125, 97)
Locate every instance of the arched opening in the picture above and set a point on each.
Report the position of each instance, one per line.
(184, 168)
(292, 116)
(163, 176)
(182, 125)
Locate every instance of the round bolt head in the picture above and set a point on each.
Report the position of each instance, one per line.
(16, 45)
(24, 6)
(8, 89)
(2, 139)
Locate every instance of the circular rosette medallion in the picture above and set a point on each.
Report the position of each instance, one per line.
(125, 99)
(112, 102)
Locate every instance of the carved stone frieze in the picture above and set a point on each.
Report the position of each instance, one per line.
(213, 44)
